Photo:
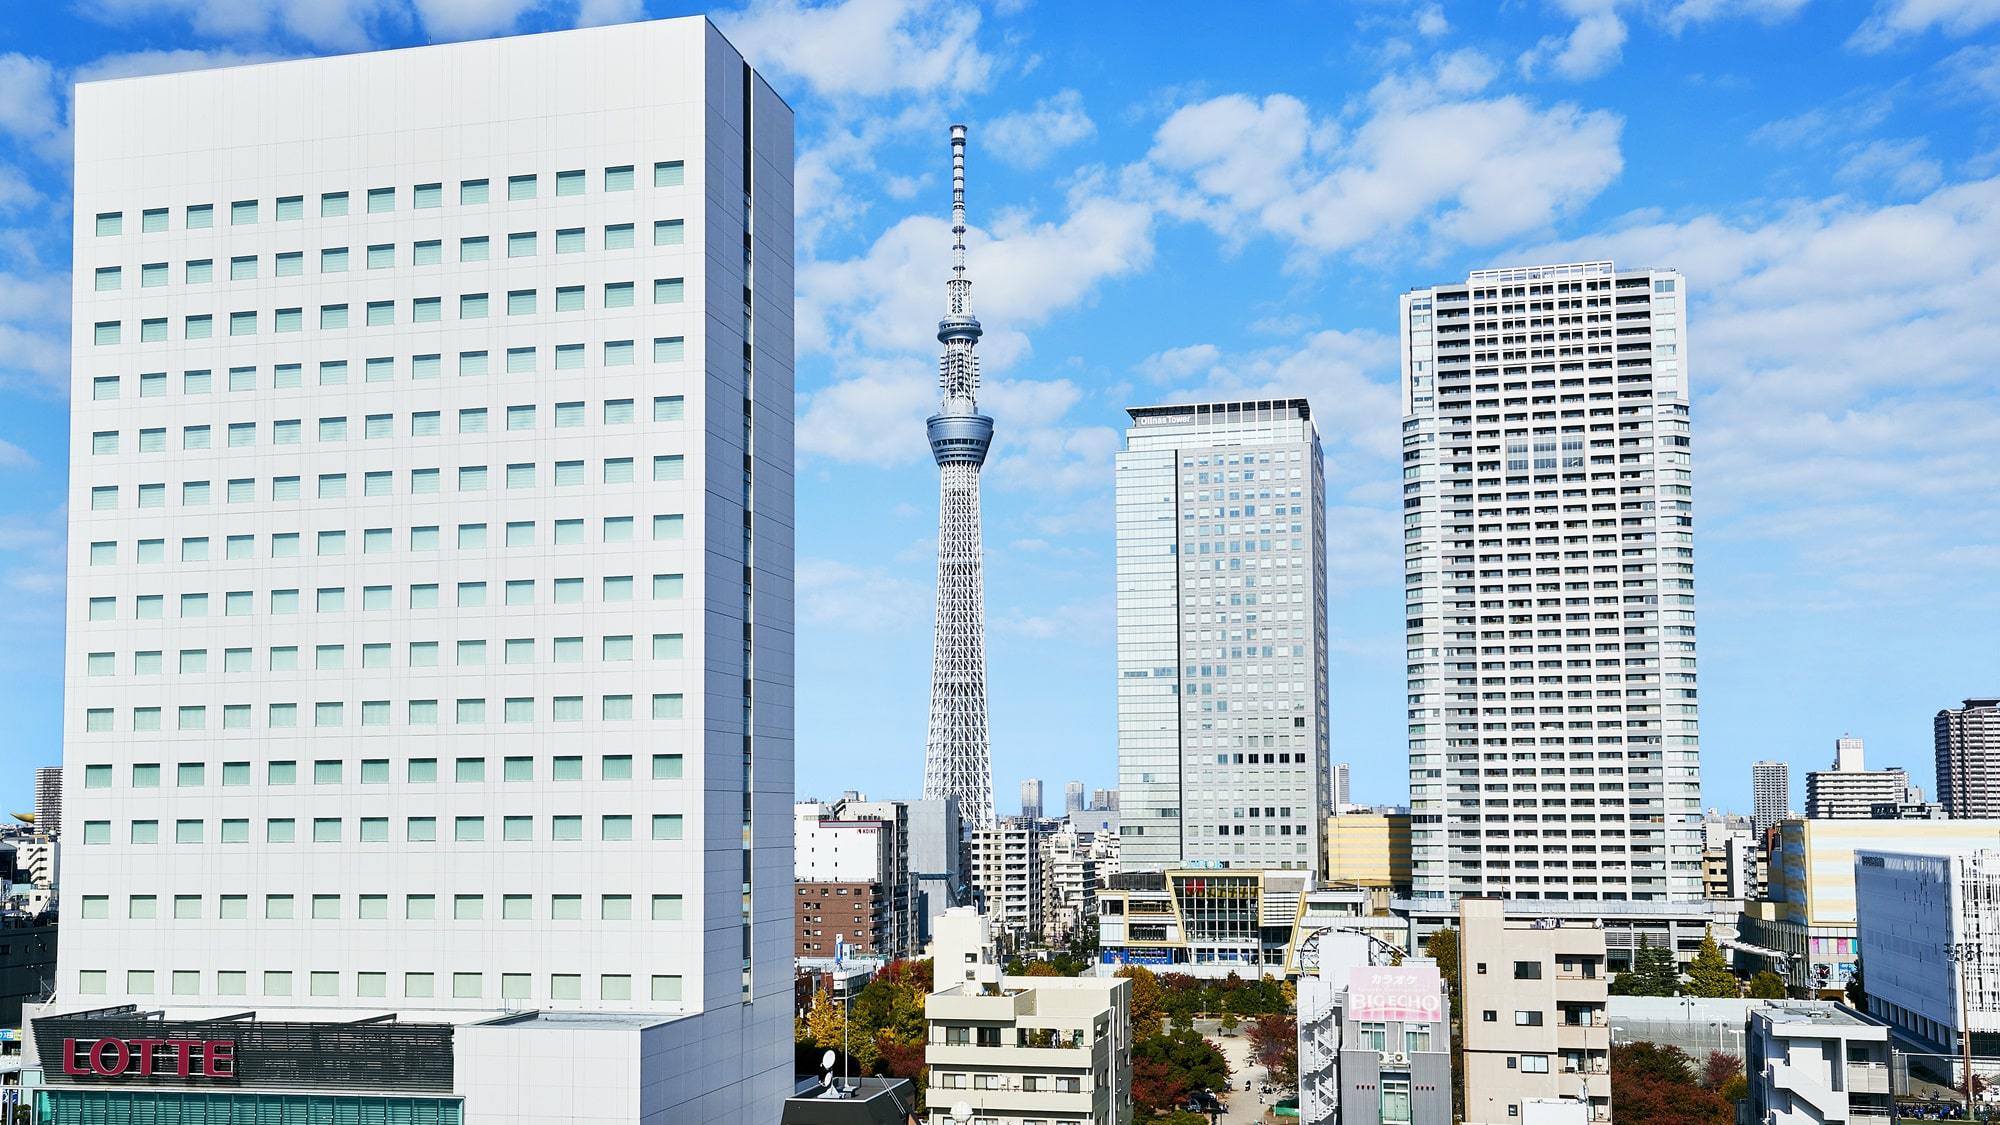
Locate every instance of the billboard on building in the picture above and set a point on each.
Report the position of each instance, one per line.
(1398, 994)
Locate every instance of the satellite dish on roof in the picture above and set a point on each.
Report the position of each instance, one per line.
(961, 1111)
(826, 1061)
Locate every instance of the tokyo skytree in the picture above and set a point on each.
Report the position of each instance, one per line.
(957, 761)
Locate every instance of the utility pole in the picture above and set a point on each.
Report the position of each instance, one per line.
(1963, 953)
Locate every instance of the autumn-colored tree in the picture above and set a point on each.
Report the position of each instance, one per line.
(1653, 1084)
(1042, 969)
(1167, 1069)
(1146, 998)
(1767, 985)
(1442, 947)
(1720, 1067)
(1274, 1043)
(826, 1024)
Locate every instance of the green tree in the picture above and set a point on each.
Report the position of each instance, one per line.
(1857, 993)
(1709, 975)
(1653, 973)
(1767, 985)
(1167, 1068)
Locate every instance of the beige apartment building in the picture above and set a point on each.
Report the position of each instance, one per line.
(1013, 1050)
(1533, 1013)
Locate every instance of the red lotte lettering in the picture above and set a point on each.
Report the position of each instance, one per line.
(145, 1058)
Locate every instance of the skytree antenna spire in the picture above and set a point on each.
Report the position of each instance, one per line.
(957, 760)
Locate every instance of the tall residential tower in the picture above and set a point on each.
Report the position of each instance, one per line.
(429, 675)
(1549, 576)
(1222, 718)
(1967, 744)
(1771, 793)
(957, 760)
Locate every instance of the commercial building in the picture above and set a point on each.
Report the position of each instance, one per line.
(940, 860)
(1031, 799)
(1104, 800)
(1549, 580)
(1069, 885)
(1968, 759)
(1533, 1023)
(1073, 798)
(1369, 849)
(1676, 925)
(27, 966)
(1023, 1048)
(1913, 912)
(1806, 928)
(1222, 688)
(1205, 922)
(1007, 876)
(429, 594)
(1379, 1052)
(48, 800)
(1814, 1061)
(852, 874)
(1850, 790)
(1342, 794)
(1771, 790)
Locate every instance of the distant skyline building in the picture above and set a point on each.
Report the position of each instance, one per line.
(1104, 800)
(958, 761)
(1850, 790)
(1549, 573)
(1031, 797)
(48, 800)
(1968, 758)
(1222, 676)
(1072, 797)
(1771, 792)
(1341, 795)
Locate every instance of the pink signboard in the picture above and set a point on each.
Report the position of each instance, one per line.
(1405, 994)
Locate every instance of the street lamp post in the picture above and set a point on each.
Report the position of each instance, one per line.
(1963, 953)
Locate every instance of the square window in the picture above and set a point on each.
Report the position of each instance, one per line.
(521, 244)
(291, 208)
(618, 236)
(332, 204)
(474, 249)
(618, 295)
(666, 908)
(243, 212)
(521, 302)
(200, 216)
(427, 196)
(669, 173)
(618, 178)
(669, 232)
(666, 767)
(569, 183)
(569, 240)
(113, 222)
(520, 187)
(472, 191)
(381, 200)
(569, 298)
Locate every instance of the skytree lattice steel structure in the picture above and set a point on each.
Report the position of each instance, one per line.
(957, 760)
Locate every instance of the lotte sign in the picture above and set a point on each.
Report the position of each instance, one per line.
(145, 1058)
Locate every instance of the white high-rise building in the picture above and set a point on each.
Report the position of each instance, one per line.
(1222, 714)
(1342, 796)
(430, 577)
(1771, 792)
(1850, 790)
(1549, 571)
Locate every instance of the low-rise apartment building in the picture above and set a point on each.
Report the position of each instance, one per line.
(1017, 1049)
(1813, 1061)
(1533, 1023)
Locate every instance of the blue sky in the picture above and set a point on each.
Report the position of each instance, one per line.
(1179, 200)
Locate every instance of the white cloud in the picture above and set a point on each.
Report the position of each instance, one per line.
(137, 64)
(865, 599)
(595, 13)
(34, 333)
(1431, 22)
(346, 25)
(1688, 12)
(28, 106)
(15, 190)
(1971, 71)
(1181, 363)
(1900, 164)
(472, 19)
(1893, 21)
(14, 457)
(1028, 138)
(1845, 405)
(1592, 47)
(863, 47)
(1427, 163)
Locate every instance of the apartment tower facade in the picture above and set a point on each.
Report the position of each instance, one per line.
(1222, 682)
(1549, 574)
(430, 578)
(1967, 741)
(1771, 793)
